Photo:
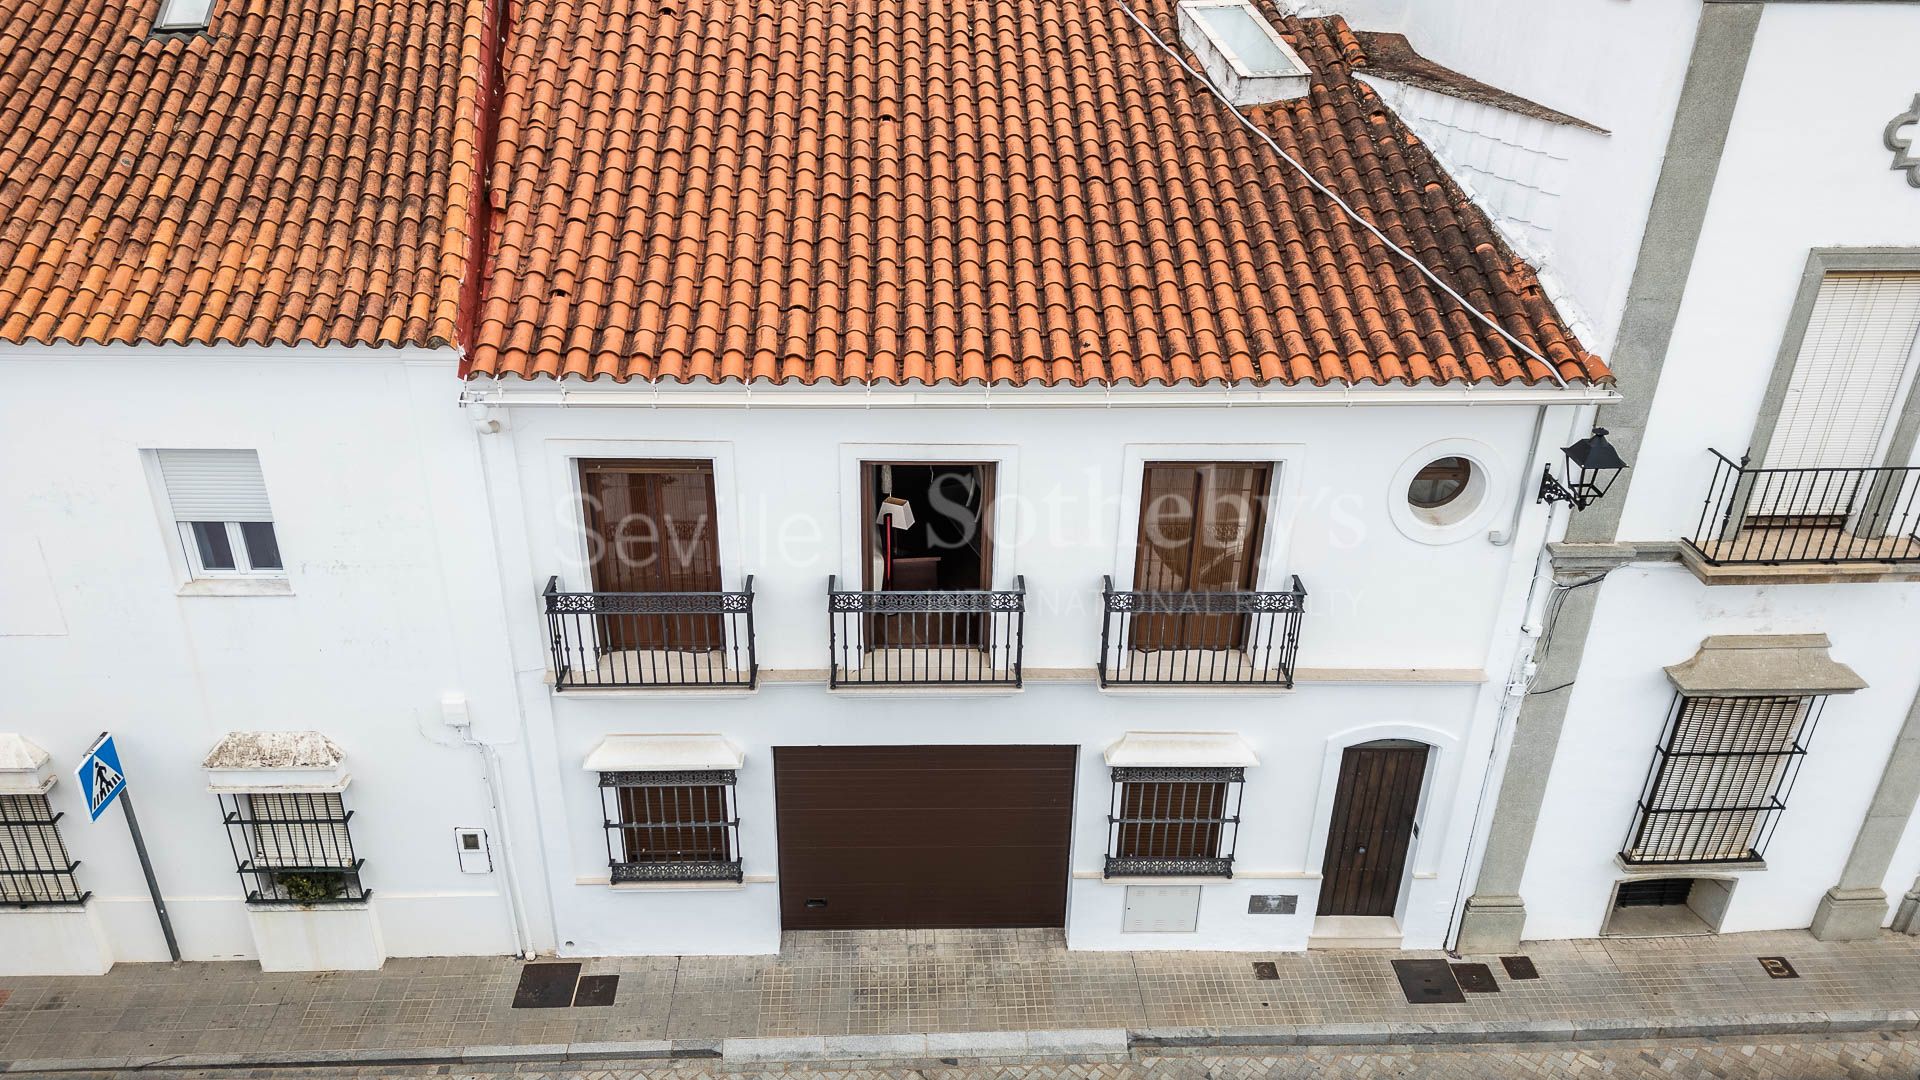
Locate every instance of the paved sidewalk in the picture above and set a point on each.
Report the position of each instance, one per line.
(840, 984)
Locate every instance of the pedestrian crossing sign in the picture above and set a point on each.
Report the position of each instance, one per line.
(101, 778)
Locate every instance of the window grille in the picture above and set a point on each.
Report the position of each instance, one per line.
(294, 847)
(1173, 822)
(1720, 778)
(671, 825)
(34, 867)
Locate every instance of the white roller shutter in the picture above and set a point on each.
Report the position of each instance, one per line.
(215, 485)
(1855, 364)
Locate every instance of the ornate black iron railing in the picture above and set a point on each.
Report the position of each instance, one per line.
(35, 869)
(1779, 516)
(967, 637)
(294, 847)
(671, 825)
(651, 639)
(1720, 779)
(1200, 638)
(1174, 822)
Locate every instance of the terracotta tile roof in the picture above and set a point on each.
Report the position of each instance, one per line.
(303, 172)
(963, 190)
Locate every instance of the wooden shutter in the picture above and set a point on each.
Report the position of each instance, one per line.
(1175, 819)
(1855, 364)
(668, 823)
(654, 526)
(215, 485)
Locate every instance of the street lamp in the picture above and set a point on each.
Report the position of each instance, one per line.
(1592, 466)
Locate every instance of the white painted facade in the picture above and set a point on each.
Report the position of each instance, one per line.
(1403, 638)
(375, 490)
(1801, 171)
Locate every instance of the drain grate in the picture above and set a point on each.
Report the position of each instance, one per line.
(1475, 978)
(1428, 982)
(1265, 969)
(1778, 967)
(1519, 967)
(595, 990)
(546, 986)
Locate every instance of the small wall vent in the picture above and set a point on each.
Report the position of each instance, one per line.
(1241, 52)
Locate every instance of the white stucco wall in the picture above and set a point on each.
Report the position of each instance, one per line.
(373, 479)
(1618, 66)
(1441, 618)
(1801, 171)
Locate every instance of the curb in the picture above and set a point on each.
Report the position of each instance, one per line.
(1079, 1043)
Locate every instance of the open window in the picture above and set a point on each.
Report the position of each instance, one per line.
(926, 611)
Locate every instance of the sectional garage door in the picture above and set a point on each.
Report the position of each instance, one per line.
(923, 836)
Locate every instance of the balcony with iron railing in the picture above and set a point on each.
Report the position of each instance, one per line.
(646, 640)
(1223, 639)
(966, 638)
(1856, 519)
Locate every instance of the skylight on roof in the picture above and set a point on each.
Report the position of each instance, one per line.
(1241, 51)
(178, 16)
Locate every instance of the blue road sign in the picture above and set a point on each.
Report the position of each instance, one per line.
(101, 778)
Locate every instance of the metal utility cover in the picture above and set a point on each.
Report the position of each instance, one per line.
(1428, 982)
(1475, 978)
(1778, 967)
(1266, 969)
(1519, 967)
(1281, 904)
(1161, 909)
(546, 986)
(596, 990)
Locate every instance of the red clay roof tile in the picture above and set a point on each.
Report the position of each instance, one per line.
(965, 191)
(300, 172)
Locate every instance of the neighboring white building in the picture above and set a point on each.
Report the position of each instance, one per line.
(1766, 778)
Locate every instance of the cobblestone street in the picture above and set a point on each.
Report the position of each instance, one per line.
(1857, 1058)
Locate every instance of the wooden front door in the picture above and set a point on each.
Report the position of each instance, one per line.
(1374, 809)
(880, 837)
(1200, 525)
(652, 529)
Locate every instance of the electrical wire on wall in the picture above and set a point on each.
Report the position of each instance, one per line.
(1554, 603)
(1353, 215)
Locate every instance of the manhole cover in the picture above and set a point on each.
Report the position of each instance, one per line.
(1519, 967)
(1428, 982)
(1778, 967)
(1265, 969)
(596, 990)
(1475, 978)
(546, 986)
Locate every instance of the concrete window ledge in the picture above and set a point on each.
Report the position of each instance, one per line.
(237, 586)
(322, 937)
(1688, 869)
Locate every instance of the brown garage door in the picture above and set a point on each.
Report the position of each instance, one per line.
(923, 836)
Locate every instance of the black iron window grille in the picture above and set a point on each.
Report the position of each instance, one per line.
(1811, 515)
(35, 869)
(1173, 822)
(293, 847)
(647, 639)
(934, 637)
(1720, 779)
(679, 825)
(1227, 638)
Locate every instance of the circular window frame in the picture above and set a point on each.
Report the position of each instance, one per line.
(1466, 514)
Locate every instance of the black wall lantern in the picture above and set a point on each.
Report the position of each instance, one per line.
(1592, 466)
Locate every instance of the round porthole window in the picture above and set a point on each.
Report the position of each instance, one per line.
(1443, 493)
(1439, 483)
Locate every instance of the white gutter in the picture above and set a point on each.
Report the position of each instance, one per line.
(652, 395)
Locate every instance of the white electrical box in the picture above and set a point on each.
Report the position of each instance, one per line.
(471, 845)
(1161, 909)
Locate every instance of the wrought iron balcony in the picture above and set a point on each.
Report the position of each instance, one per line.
(961, 637)
(1776, 517)
(697, 640)
(1200, 638)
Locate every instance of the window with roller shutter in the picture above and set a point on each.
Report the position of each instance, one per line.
(218, 500)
